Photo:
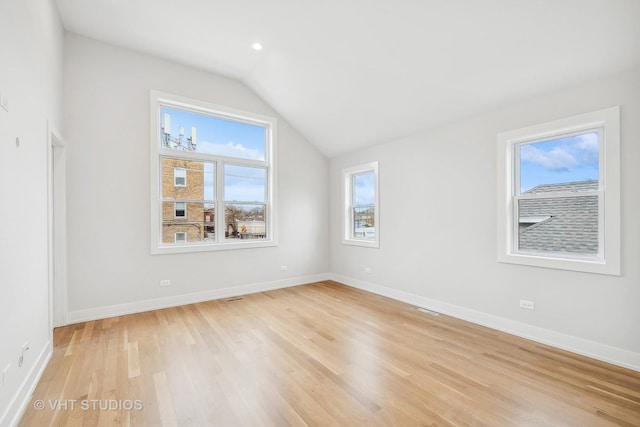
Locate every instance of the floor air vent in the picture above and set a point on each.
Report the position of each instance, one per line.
(233, 299)
(424, 310)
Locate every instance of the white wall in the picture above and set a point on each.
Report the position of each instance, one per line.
(106, 127)
(443, 183)
(31, 39)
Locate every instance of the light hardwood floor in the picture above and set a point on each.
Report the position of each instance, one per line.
(319, 355)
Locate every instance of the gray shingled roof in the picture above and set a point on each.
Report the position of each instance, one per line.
(572, 224)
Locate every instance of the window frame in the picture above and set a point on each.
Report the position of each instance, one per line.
(157, 153)
(607, 260)
(348, 232)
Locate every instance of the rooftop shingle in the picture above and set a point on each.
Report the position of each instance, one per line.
(572, 222)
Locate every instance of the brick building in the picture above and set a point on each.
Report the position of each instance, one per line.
(185, 220)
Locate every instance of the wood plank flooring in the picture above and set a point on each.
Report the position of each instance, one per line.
(319, 355)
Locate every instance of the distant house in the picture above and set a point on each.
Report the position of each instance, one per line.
(560, 224)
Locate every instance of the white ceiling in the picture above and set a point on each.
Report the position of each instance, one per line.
(352, 73)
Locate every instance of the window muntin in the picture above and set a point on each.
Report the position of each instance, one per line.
(234, 177)
(360, 217)
(559, 194)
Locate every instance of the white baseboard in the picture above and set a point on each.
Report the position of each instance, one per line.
(22, 397)
(104, 312)
(595, 350)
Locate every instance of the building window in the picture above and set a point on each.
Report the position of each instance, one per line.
(180, 210)
(179, 177)
(559, 192)
(360, 215)
(180, 237)
(213, 176)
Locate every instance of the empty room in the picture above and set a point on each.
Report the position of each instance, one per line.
(319, 213)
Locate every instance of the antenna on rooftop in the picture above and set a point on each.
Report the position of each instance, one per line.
(176, 143)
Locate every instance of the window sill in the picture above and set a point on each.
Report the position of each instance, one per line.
(364, 243)
(178, 248)
(585, 265)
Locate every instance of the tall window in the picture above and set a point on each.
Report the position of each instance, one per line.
(560, 194)
(360, 216)
(213, 177)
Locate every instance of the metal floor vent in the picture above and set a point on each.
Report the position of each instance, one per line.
(233, 299)
(424, 310)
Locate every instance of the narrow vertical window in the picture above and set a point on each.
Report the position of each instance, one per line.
(360, 217)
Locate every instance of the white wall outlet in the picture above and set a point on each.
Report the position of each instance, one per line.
(283, 268)
(527, 304)
(367, 269)
(165, 282)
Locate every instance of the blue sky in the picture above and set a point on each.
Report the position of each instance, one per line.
(568, 159)
(364, 189)
(218, 136)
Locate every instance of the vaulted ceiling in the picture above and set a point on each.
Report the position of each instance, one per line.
(352, 73)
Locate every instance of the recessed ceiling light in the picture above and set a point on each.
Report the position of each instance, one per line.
(257, 46)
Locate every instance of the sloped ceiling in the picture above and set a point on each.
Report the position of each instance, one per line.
(352, 73)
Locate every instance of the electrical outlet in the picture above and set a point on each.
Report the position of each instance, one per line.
(283, 268)
(165, 282)
(367, 269)
(527, 304)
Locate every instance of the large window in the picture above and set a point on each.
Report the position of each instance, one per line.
(559, 194)
(360, 216)
(213, 177)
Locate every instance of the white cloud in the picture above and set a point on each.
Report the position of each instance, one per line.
(230, 149)
(556, 159)
(563, 154)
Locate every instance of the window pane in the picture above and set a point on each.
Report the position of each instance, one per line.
(245, 183)
(201, 133)
(199, 179)
(563, 224)
(364, 192)
(364, 226)
(245, 221)
(198, 224)
(566, 160)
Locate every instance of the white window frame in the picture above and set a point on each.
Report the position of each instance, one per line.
(182, 240)
(157, 152)
(175, 177)
(607, 261)
(348, 233)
